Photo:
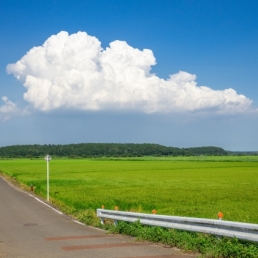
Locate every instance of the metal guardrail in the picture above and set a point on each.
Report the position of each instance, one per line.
(244, 231)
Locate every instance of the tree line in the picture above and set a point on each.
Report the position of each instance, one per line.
(104, 150)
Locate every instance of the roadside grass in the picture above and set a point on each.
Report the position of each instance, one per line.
(206, 245)
(192, 187)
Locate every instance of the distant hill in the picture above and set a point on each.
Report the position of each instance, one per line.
(104, 149)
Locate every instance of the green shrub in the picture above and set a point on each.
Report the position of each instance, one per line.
(206, 245)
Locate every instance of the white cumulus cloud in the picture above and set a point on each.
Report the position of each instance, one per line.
(9, 110)
(74, 72)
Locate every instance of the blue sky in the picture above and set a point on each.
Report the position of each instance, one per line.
(179, 73)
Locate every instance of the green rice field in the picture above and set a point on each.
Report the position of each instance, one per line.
(181, 186)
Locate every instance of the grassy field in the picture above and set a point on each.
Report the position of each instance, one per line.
(195, 187)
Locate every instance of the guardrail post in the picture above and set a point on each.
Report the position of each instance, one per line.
(115, 221)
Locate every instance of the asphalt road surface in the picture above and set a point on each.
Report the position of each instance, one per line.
(30, 227)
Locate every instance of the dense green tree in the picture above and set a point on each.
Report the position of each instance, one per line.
(104, 149)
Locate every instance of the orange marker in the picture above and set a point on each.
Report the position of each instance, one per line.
(154, 212)
(116, 208)
(220, 215)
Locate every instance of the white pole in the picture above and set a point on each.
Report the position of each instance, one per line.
(48, 180)
(47, 159)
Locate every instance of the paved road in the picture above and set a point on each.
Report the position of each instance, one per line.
(30, 228)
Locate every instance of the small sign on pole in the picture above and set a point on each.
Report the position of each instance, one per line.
(47, 159)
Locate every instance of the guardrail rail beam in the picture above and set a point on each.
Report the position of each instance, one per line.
(244, 231)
